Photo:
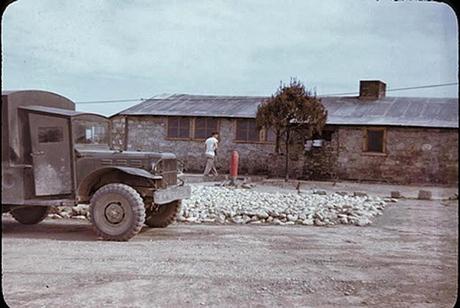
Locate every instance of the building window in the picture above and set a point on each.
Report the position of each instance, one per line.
(374, 140)
(179, 128)
(204, 127)
(246, 130)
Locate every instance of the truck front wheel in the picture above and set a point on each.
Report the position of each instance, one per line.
(30, 215)
(117, 212)
(164, 215)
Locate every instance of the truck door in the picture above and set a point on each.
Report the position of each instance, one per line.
(50, 154)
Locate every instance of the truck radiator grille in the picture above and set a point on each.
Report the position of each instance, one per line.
(169, 171)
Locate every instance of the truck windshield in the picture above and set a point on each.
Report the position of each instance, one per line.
(90, 132)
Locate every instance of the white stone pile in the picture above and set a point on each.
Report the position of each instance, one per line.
(228, 205)
(221, 205)
(80, 211)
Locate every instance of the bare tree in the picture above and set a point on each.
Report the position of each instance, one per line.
(291, 109)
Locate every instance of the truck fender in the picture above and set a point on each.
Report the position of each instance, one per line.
(85, 186)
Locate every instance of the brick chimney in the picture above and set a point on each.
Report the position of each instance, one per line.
(372, 89)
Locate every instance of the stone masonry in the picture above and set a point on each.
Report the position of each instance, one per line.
(147, 133)
(413, 155)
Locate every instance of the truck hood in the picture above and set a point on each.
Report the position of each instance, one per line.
(106, 153)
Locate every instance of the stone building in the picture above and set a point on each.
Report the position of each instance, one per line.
(370, 137)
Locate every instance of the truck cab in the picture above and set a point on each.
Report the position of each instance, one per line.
(53, 155)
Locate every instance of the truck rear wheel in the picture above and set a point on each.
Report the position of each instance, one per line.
(117, 212)
(164, 215)
(30, 215)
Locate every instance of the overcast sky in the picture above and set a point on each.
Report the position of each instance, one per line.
(92, 50)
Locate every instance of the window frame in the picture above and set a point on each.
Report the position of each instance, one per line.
(190, 120)
(194, 127)
(262, 134)
(366, 141)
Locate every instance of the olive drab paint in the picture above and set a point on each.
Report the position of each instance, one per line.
(53, 155)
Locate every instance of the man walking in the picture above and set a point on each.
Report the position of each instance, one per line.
(210, 152)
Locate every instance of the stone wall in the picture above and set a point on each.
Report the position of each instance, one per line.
(413, 155)
(149, 134)
(118, 132)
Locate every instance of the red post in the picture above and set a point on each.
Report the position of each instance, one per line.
(234, 166)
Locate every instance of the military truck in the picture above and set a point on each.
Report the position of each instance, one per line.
(53, 155)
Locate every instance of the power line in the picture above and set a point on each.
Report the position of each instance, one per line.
(335, 94)
(429, 86)
(401, 89)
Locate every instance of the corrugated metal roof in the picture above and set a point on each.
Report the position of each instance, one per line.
(198, 105)
(395, 111)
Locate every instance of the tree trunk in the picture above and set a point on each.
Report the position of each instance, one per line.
(277, 142)
(286, 165)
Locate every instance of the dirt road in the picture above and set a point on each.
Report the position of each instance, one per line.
(408, 257)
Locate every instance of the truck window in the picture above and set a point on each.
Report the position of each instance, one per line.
(90, 132)
(50, 134)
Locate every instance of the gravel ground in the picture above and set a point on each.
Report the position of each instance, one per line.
(406, 257)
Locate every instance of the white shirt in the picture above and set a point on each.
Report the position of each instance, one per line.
(211, 145)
